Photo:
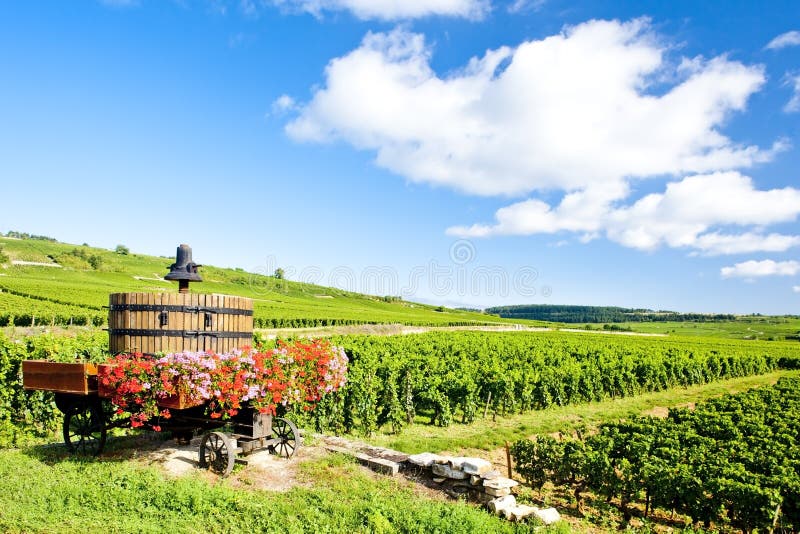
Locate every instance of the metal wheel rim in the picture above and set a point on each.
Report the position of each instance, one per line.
(217, 454)
(84, 432)
(286, 432)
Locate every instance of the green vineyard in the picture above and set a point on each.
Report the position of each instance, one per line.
(730, 461)
(450, 377)
(50, 283)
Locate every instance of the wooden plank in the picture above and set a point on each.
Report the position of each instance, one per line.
(112, 323)
(128, 322)
(147, 321)
(137, 299)
(78, 378)
(216, 302)
(196, 322)
(179, 300)
(157, 322)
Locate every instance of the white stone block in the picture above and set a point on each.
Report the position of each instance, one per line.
(476, 466)
(499, 492)
(501, 503)
(424, 459)
(444, 470)
(499, 483)
(490, 475)
(519, 512)
(458, 461)
(548, 516)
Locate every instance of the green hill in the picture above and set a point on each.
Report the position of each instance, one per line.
(46, 282)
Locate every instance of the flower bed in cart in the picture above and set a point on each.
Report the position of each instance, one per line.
(296, 374)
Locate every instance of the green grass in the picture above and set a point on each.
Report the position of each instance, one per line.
(746, 327)
(486, 434)
(43, 491)
(278, 303)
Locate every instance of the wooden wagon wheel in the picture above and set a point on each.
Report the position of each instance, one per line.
(217, 453)
(84, 428)
(287, 435)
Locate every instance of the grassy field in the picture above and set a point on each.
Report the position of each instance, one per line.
(746, 327)
(43, 491)
(79, 279)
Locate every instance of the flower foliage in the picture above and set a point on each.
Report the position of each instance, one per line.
(296, 374)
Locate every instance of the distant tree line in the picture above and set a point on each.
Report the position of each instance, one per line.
(26, 235)
(599, 314)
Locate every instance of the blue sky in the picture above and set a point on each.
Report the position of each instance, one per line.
(466, 152)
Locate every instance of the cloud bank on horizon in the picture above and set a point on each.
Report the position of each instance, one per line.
(752, 269)
(589, 112)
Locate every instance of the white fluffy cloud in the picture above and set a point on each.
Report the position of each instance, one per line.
(584, 108)
(392, 9)
(796, 289)
(791, 38)
(685, 215)
(283, 104)
(753, 269)
(583, 112)
(793, 104)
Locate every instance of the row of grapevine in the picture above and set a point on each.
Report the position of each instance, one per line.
(731, 461)
(444, 377)
(16, 310)
(22, 410)
(449, 376)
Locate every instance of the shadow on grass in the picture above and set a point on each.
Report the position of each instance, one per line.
(122, 447)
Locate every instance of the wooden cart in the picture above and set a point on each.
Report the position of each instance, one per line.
(88, 416)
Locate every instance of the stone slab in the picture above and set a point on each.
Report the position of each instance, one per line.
(548, 516)
(498, 504)
(499, 483)
(444, 470)
(476, 466)
(423, 459)
(497, 492)
(519, 512)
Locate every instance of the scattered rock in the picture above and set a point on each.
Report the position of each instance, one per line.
(455, 475)
(444, 470)
(380, 465)
(500, 483)
(499, 504)
(548, 516)
(499, 492)
(458, 462)
(424, 459)
(476, 466)
(519, 512)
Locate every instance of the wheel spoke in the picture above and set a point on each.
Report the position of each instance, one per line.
(84, 429)
(216, 453)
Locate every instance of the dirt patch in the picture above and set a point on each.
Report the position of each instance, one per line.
(259, 470)
(657, 411)
(662, 411)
